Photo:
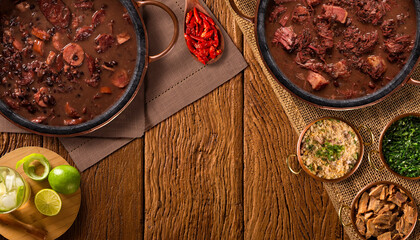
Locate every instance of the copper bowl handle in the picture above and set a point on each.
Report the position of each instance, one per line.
(241, 14)
(175, 22)
(372, 137)
(288, 164)
(371, 161)
(340, 215)
(413, 81)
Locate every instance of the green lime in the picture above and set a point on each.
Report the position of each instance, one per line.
(48, 202)
(64, 179)
(30, 169)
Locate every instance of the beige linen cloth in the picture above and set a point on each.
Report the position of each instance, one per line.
(405, 100)
(171, 83)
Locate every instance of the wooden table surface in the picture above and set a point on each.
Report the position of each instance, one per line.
(215, 170)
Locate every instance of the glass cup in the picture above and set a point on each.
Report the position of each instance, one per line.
(14, 190)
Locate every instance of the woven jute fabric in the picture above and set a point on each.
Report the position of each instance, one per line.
(405, 100)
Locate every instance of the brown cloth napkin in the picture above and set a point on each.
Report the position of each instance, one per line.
(171, 84)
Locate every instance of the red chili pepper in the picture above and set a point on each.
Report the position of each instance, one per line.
(201, 30)
(206, 24)
(206, 35)
(197, 38)
(197, 18)
(216, 38)
(188, 18)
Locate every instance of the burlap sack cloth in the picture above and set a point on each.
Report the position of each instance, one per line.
(405, 100)
(171, 83)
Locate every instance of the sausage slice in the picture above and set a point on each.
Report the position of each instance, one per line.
(73, 54)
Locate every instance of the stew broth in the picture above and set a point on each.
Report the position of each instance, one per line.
(64, 62)
(335, 49)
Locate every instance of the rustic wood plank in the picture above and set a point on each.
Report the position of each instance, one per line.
(193, 163)
(278, 205)
(193, 170)
(113, 197)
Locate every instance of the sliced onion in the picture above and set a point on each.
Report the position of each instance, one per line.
(30, 169)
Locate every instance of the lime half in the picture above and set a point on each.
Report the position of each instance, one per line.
(48, 202)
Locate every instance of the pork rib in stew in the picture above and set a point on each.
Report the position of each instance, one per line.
(341, 49)
(64, 62)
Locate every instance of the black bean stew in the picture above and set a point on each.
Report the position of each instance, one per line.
(341, 49)
(64, 62)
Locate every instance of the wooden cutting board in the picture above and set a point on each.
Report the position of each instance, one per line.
(56, 225)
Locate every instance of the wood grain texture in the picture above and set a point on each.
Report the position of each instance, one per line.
(193, 164)
(278, 204)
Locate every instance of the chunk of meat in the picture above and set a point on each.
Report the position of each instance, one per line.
(41, 34)
(70, 111)
(98, 17)
(59, 64)
(18, 45)
(106, 90)
(276, 13)
(375, 204)
(120, 78)
(339, 14)
(403, 227)
(93, 81)
(59, 41)
(83, 33)
(92, 64)
(326, 39)
(286, 37)
(300, 14)
(39, 47)
(369, 11)
(339, 69)
(104, 42)
(360, 224)
(368, 215)
(39, 97)
(51, 58)
(316, 80)
(363, 203)
(409, 214)
(39, 119)
(23, 6)
(123, 37)
(384, 193)
(313, 2)
(283, 20)
(356, 42)
(12, 103)
(72, 122)
(398, 47)
(73, 54)
(376, 191)
(398, 198)
(385, 236)
(383, 219)
(370, 228)
(56, 12)
(76, 20)
(388, 28)
(85, 5)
